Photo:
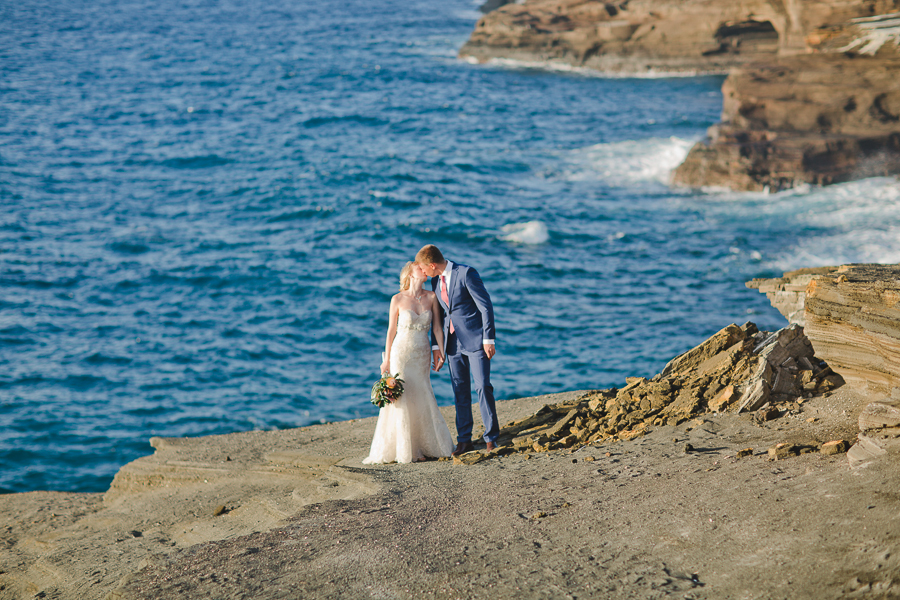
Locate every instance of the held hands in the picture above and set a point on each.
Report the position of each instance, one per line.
(438, 360)
(489, 350)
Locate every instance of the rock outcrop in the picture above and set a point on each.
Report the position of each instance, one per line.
(852, 317)
(816, 119)
(812, 95)
(641, 35)
(739, 369)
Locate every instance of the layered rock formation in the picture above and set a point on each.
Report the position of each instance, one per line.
(852, 316)
(812, 96)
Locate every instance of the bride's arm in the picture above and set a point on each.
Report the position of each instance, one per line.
(391, 332)
(437, 333)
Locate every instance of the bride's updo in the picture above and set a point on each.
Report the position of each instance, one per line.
(405, 274)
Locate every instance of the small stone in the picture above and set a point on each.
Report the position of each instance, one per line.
(136, 533)
(539, 515)
(782, 451)
(608, 454)
(588, 459)
(469, 458)
(767, 414)
(744, 452)
(812, 419)
(835, 447)
(219, 510)
(568, 441)
(687, 449)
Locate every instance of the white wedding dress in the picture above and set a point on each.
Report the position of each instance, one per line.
(412, 427)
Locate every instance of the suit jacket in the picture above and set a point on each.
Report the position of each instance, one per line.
(470, 309)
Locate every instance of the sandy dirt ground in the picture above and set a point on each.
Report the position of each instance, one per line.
(294, 514)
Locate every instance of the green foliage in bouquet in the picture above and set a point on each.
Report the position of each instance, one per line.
(387, 390)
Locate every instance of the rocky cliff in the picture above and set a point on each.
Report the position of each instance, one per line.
(815, 119)
(812, 95)
(641, 35)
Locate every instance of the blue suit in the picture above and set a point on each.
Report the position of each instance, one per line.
(472, 314)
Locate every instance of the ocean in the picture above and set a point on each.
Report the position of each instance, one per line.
(206, 206)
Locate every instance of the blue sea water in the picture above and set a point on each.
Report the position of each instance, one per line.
(206, 204)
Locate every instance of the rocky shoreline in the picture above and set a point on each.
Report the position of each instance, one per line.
(723, 476)
(812, 95)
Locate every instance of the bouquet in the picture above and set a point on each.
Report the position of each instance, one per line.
(387, 390)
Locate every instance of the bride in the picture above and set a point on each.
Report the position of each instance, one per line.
(412, 428)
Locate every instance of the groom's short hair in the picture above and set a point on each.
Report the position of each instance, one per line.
(429, 255)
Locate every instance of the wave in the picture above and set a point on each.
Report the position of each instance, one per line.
(854, 222)
(530, 232)
(561, 67)
(859, 222)
(628, 162)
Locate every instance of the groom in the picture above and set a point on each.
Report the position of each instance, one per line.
(468, 342)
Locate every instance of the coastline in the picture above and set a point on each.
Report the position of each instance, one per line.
(809, 98)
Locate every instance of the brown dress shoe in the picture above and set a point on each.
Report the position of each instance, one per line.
(491, 446)
(462, 448)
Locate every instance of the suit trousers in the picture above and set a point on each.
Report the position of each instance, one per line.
(464, 370)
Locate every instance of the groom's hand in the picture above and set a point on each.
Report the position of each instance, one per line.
(490, 350)
(438, 360)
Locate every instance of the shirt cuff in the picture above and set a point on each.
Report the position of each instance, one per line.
(435, 347)
(490, 342)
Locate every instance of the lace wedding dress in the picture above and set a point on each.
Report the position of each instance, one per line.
(412, 427)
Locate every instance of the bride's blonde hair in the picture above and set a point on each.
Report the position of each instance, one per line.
(405, 274)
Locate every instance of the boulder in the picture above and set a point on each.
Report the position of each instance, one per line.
(834, 447)
(737, 368)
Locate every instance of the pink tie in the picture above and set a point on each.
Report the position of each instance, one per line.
(446, 299)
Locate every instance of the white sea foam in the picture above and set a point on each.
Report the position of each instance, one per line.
(561, 67)
(850, 222)
(860, 221)
(624, 163)
(530, 232)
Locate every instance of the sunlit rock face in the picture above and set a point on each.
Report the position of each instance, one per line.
(816, 119)
(852, 318)
(641, 35)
